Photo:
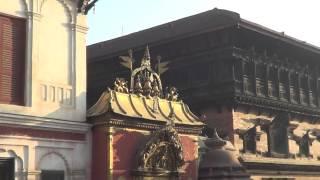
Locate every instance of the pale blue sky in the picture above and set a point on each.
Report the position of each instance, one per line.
(114, 18)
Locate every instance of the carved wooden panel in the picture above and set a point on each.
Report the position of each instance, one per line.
(272, 83)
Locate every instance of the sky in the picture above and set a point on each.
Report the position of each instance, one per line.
(115, 18)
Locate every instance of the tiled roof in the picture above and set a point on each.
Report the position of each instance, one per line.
(149, 109)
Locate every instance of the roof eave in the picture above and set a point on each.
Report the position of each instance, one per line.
(278, 35)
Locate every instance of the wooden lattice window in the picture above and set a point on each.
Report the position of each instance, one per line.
(248, 77)
(12, 60)
(261, 79)
(304, 94)
(294, 87)
(272, 82)
(284, 80)
(313, 91)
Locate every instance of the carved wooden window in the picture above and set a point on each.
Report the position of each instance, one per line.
(318, 90)
(238, 75)
(272, 82)
(249, 141)
(12, 60)
(294, 87)
(304, 90)
(261, 79)
(283, 85)
(313, 91)
(248, 77)
(6, 169)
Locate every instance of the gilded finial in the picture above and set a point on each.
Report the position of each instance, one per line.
(146, 57)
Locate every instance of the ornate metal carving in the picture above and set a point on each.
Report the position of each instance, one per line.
(161, 67)
(144, 80)
(127, 61)
(120, 85)
(163, 152)
(172, 94)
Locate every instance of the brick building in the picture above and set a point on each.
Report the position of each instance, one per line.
(258, 87)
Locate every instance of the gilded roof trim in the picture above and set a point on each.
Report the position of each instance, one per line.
(131, 105)
(117, 101)
(134, 108)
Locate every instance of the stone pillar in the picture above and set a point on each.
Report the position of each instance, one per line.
(33, 60)
(79, 64)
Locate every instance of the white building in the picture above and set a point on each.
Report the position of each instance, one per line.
(43, 134)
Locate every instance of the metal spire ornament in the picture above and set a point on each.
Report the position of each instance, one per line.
(127, 61)
(146, 58)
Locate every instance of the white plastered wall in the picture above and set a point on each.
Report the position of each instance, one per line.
(55, 92)
(55, 59)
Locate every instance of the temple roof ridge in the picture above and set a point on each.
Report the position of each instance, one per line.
(153, 109)
(145, 98)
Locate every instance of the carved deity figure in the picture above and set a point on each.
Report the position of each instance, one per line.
(172, 94)
(138, 86)
(155, 89)
(147, 87)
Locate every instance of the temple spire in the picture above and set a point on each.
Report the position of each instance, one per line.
(146, 58)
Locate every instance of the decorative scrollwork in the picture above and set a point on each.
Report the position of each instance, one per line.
(144, 80)
(163, 152)
(121, 85)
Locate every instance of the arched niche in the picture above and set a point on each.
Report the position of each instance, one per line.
(54, 161)
(55, 42)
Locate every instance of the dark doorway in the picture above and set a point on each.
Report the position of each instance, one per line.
(278, 136)
(52, 175)
(7, 168)
(249, 141)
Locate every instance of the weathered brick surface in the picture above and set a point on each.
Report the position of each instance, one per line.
(221, 119)
(190, 153)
